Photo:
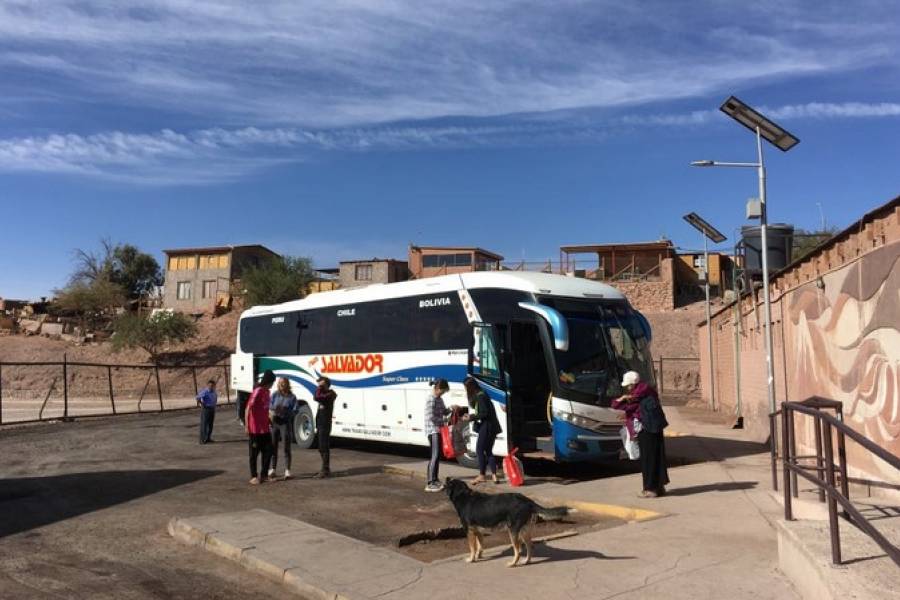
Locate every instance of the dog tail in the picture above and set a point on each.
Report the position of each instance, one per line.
(555, 513)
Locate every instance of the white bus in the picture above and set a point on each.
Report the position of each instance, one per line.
(549, 350)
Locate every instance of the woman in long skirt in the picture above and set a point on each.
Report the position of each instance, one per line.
(652, 443)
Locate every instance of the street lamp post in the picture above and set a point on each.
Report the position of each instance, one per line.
(709, 233)
(784, 141)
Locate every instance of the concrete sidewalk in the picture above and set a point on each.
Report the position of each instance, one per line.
(715, 538)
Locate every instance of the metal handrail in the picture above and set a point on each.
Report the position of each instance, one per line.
(825, 467)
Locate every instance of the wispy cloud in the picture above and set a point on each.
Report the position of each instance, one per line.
(217, 154)
(332, 63)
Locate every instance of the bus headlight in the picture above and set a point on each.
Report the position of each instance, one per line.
(576, 420)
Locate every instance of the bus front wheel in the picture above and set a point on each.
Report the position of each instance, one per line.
(305, 428)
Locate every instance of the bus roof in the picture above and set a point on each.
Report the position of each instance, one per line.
(536, 283)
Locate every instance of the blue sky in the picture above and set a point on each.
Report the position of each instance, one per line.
(342, 130)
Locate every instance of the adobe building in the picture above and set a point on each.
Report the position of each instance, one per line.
(355, 273)
(324, 280)
(643, 271)
(199, 280)
(432, 261)
(835, 331)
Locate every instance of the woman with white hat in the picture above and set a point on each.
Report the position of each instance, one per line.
(650, 437)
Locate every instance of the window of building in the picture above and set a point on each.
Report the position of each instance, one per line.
(209, 288)
(182, 263)
(462, 259)
(214, 261)
(363, 273)
(183, 290)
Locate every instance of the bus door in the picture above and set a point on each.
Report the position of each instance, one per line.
(486, 364)
(528, 385)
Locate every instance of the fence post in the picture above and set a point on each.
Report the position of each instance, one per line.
(65, 387)
(832, 501)
(661, 375)
(786, 458)
(227, 384)
(773, 448)
(112, 400)
(820, 472)
(158, 387)
(196, 388)
(842, 462)
(792, 440)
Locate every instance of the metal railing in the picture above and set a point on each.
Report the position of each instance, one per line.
(830, 490)
(53, 390)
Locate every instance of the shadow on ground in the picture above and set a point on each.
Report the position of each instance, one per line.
(30, 502)
(728, 486)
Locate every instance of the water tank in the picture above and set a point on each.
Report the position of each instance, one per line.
(780, 240)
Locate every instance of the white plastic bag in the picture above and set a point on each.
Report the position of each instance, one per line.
(630, 444)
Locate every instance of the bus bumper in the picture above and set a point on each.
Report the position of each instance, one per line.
(575, 444)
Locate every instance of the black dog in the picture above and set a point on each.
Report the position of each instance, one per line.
(516, 512)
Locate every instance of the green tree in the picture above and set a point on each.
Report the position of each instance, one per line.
(277, 280)
(136, 272)
(152, 333)
(91, 302)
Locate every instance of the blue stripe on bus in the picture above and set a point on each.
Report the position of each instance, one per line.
(425, 374)
(416, 374)
(495, 394)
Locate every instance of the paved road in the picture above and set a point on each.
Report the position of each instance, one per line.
(84, 505)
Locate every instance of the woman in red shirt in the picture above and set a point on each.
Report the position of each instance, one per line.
(258, 429)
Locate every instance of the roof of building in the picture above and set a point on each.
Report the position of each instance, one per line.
(373, 260)
(626, 246)
(475, 249)
(536, 283)
(216, 249)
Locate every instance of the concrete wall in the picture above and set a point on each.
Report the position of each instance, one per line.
(222, 285)
(383, 271)
(836, 334)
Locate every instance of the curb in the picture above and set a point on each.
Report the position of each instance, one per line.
(625, 513)
(186, 533)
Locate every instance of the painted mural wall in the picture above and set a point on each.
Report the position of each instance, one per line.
(836, 334)
(843, 342)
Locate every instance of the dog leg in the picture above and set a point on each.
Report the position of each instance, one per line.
(514, 540)
(526, 537)
(470, 538)
(479, 546)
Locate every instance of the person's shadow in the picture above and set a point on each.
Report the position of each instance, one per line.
(728, 486)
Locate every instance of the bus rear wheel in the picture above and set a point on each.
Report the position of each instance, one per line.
(305, 428)
(467, 460)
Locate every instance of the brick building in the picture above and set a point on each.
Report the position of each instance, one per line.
(200, 279)
(354, 273)
(432, 261)
(836, 334)
(643, 271)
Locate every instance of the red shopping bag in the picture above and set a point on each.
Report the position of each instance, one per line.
(512, 466)
(447, 443)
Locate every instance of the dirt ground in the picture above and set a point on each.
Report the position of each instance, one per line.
(84, 505)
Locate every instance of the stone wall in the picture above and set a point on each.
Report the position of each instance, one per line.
(651, 296)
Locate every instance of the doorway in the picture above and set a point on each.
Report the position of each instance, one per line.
(529, 386)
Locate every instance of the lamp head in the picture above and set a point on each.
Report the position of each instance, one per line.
(703, 163)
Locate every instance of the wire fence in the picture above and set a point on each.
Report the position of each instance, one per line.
(44, 391)
(677, 374)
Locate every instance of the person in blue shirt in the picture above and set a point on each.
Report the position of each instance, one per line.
(206, 400)
(282, 409)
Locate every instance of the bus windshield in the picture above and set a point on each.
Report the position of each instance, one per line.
(605, 341)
